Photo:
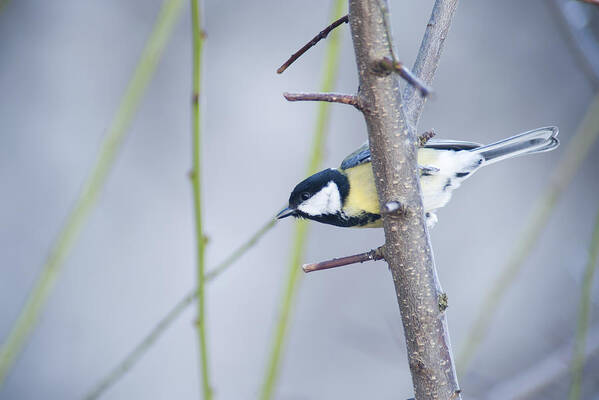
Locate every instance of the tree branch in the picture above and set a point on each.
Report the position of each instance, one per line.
(553, 368)
(398, 67)
(428, 56)
(131, 359)
(328, 97)
(322, 35)
(196, 181)
(393, 144)
(581, 36)
(584, 316)
(372, 255)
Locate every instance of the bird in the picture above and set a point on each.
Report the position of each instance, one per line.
(347, 196)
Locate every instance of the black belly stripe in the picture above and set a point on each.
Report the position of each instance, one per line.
(461, 174)
(338, 220)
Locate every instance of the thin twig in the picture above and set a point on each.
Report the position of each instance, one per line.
(582, 328)
(3, 3)
(196, 181)
(331, 65)
(148, 341)
(407, 75)
(551, 369)
(577, 151)
(427, 60)
(141, 348)
(580, 31)
(372, 255)
(387, 31)
(322, 35)
(393, 64)
(348, 99)
(92, 187)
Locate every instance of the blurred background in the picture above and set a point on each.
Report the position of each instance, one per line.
(507, 67)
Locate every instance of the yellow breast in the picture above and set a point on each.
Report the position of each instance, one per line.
(362, 195)
(362, 192)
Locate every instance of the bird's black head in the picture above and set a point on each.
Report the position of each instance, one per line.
(321, 194)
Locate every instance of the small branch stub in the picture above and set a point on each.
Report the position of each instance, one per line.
(425, 137)
(322, 35)
(372, 255)
(395, 66)
(443, 302)
(394, 207)
(329, 97)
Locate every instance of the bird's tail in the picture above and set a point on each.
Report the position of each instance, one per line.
(535, 141)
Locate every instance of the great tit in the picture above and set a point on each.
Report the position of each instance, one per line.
(347, 197)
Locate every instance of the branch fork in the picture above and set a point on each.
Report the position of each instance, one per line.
(388, 65)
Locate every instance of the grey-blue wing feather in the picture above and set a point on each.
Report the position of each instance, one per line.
(443, 144)
(362, 154)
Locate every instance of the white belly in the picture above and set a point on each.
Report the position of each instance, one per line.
(453, 167)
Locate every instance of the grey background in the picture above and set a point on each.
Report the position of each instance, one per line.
(63, 67)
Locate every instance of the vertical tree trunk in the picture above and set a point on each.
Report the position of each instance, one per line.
(407, 249)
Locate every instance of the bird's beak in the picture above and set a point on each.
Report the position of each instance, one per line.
(286, 212)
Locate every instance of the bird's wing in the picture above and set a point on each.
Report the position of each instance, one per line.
(442, 144)
(362, 154)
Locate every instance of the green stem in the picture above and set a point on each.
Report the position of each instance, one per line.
(92, 187)
(584, 316)
(331, 65)
(198, 41)
(142, 347)
(576, 153)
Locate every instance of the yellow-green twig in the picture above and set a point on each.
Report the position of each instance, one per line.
(94, 183)
(142, 347)
(196, 179)
(3, 3)
(331, 65)
(576, 153)
(584, 316)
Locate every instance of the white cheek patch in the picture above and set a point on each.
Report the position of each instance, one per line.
(326, 201)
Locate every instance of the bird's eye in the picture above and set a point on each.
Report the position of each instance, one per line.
(305, 196)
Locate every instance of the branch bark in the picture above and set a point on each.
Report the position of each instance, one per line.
(427, 60)
(405, 73)
(393, 144)
(322, 35)
(372, 255)
(348, 99)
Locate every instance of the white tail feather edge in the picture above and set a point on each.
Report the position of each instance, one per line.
(535, 141)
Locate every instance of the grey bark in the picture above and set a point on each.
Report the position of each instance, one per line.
(393, 142)
(428, 56)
